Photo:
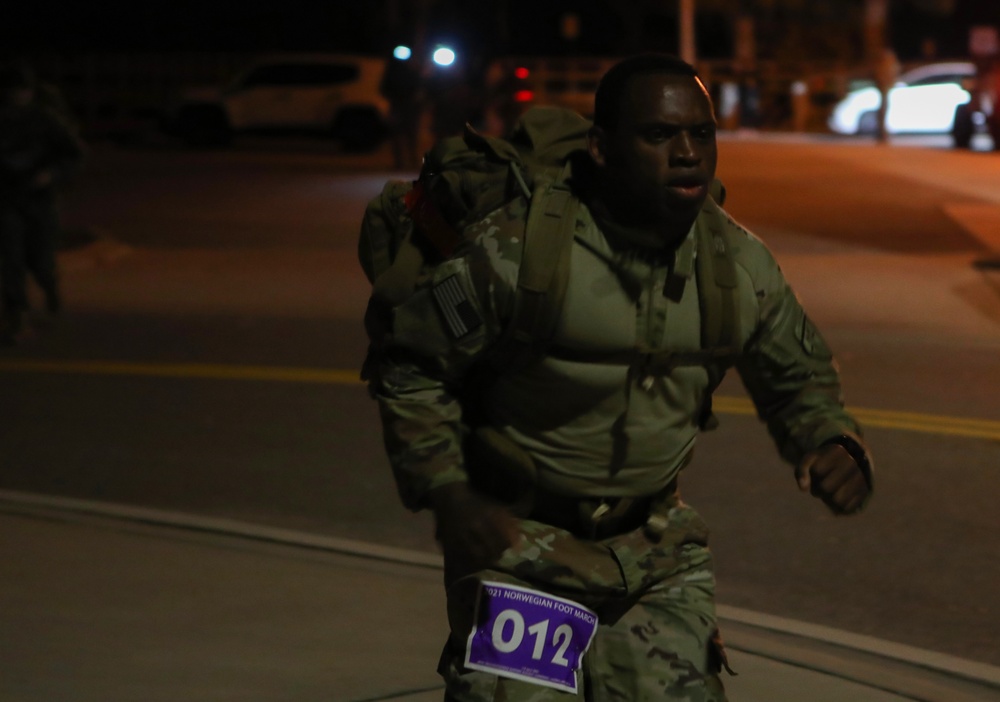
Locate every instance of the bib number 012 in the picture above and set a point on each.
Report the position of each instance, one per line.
(529, 635)
(561, 637)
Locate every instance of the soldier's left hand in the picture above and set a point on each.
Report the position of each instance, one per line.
(830, 474)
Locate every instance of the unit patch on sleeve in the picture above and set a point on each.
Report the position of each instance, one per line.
(812, 341)
(454, 304)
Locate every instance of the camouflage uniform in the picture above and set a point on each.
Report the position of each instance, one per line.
(33, 139)
(588, 428)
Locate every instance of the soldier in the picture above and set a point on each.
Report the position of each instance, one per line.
(39, 150)
(572, 566)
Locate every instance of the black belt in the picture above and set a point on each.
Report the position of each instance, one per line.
(595, 518)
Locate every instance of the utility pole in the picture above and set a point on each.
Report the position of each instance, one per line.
(879, 57)
(876, 13)
(688, 49)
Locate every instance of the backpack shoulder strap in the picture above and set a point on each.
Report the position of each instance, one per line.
(717, 287)
(542, 277)
(719, 303)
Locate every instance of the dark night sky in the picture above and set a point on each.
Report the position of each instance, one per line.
(909, 28)
(136, 25)
(346, 25)
(351, 25)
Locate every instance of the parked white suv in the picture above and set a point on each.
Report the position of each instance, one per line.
(325, 93)
(922, 101)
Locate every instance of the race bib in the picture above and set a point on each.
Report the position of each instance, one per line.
(529, 635)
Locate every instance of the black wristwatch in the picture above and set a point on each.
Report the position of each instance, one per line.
(857, 452)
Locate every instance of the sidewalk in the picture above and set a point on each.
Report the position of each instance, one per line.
(107, 603)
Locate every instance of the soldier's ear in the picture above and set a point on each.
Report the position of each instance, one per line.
(597, 143)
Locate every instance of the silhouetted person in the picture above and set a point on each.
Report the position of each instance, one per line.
(502, 86)
(39, 150)
(451, 99)
(402, 87)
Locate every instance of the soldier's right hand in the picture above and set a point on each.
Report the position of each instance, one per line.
(472, 530)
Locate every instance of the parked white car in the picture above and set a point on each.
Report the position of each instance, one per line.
(922, 101)
(327, 93)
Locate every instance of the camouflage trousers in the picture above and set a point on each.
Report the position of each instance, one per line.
(29, 228)
(653, 590)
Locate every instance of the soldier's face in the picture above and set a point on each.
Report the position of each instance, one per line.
(661, 157)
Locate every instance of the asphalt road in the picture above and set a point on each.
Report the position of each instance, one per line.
(163, 385)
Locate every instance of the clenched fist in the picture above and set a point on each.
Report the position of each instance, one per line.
(831, 474)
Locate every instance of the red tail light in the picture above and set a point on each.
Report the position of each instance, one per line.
(521, 72)
(524, 96)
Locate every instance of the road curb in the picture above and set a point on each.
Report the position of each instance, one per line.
(910, 655)
(787, 645)
(219, 526)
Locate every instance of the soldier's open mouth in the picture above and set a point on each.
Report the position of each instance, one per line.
(690, 190)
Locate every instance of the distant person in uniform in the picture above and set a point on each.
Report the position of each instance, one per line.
(402, 86)
(39, 150)
(502, 87)
(450, 93)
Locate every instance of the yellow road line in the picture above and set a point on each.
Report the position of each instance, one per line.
(732, 405)
(890, 419)
(184, 370)
(887, 419)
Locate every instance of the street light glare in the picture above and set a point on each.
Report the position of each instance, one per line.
(403, 53)
(443, 56)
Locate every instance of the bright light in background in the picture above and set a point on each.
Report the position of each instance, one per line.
(443, 56)
(402, 52)
(521, 72)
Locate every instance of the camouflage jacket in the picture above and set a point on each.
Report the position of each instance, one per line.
(593, 422)
(34, 138)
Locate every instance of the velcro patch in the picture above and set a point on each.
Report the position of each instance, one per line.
(454, 304)
(812, 341)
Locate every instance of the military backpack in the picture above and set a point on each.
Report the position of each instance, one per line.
(413, 224)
